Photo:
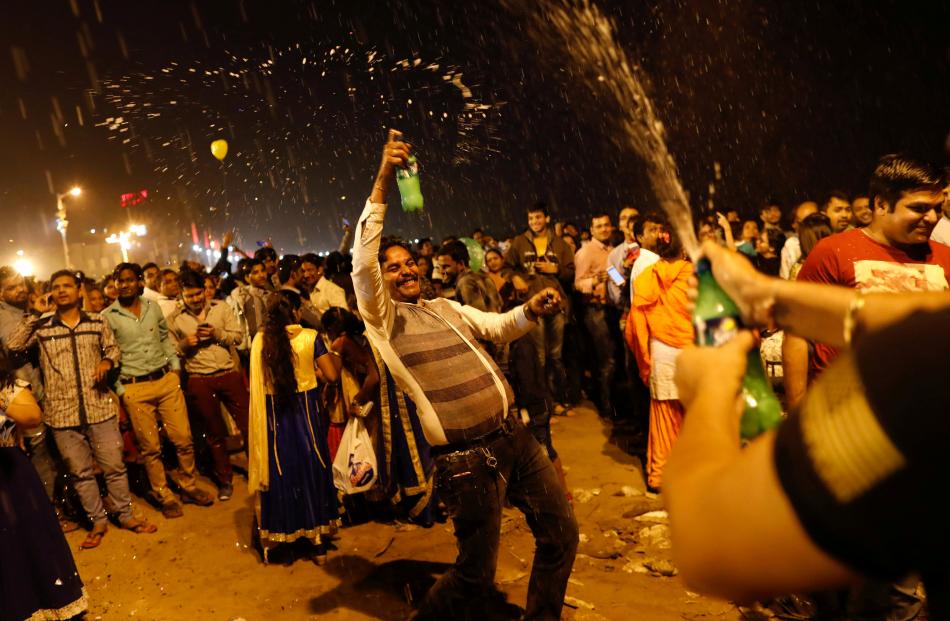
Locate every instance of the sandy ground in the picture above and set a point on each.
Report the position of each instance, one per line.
(203, 566)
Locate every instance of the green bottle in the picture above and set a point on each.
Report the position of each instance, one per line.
(409, 188)
(717, 319)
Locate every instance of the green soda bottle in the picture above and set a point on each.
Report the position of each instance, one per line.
(409, 188)
(717, 320)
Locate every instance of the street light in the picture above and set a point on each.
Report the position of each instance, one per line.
(124, 239)
(63, 222)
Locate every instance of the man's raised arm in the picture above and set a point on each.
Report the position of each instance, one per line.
(372, 298)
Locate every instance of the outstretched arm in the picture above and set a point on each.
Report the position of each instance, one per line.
(372, 298)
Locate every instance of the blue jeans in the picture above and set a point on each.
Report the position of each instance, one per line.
(473, 484)
(84, 447)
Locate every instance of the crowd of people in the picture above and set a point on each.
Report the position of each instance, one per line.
(455, 356)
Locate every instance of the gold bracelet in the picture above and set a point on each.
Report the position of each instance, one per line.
(850, 318)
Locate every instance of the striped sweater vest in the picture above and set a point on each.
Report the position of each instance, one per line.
(457, 383)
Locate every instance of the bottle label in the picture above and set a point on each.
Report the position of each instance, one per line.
(715, 331)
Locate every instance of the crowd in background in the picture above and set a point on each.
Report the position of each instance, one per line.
(156, 375)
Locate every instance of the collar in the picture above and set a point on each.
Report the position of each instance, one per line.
(56, 319)
(600, 243)
(116, 307)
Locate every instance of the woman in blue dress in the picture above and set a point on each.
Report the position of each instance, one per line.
(38, 577)
(289, 462)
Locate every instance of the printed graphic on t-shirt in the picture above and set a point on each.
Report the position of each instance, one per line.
(888, 276)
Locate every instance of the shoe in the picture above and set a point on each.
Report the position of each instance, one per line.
(652, 492)
(67, 525)
(172, 510)
(225, 491)
(197, 497)
(94, 538)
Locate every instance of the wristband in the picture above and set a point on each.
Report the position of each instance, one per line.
(850, 317)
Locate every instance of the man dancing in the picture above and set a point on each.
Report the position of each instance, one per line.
(482, 453)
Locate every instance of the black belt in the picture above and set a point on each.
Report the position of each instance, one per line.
(507, 426)
(148, 377)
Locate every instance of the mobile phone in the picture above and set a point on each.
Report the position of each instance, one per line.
(346, 222)
(616, 276)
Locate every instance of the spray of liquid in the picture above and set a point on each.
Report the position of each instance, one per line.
(585, 38)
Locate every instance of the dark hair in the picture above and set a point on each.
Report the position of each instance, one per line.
(240, 271)
(190, 280)
(812, 229)
(337, 321)
(776, 238)
(249, 265)
(769, 203)
(648, 216)
(599, 215)
(267, 252)
(70, 273)
(312, 258)
(672, 249)
(456, 250)
(134, 267)
(897, 173)
(387, 243)
(841, 195)
(538, 206)
(288, 264)
(149, 266)
(478, 230)
(277, 354)
(497, 251)
(7, 373)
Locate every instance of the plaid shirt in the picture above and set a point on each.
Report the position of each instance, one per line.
(68, 359)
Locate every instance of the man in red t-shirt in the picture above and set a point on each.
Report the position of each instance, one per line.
(893, 253)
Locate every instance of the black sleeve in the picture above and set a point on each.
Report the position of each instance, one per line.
(859, 460)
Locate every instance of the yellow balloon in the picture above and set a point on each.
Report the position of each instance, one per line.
(219, 149)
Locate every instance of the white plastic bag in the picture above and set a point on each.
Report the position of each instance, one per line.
(354, 469)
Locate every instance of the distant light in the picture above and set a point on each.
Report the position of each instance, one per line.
(76, 191)
(138, 229)
(196, 248)
(19, 253)
(92, 231)
(24, 267)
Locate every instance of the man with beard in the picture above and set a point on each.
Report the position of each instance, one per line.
(838, 209)
(483, 453)
(149, 385)
(471, 288)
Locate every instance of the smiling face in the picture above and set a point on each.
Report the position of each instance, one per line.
(310, 274)
(401, 275)
(912, 219)
(537, 222)
(450, 268)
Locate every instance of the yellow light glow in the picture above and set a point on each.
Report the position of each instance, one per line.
(24, 267)
(76, 191)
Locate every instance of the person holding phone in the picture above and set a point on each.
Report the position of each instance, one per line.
(204, 331)
(590, 281)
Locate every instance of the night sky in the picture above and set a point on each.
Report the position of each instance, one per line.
(792, 98)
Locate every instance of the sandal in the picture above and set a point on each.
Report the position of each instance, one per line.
(140, 526)
(94, 538)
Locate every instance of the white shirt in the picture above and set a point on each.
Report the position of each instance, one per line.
(327, 293)
(941, 232)
(791, 253)
(378, 311)
(645, 260)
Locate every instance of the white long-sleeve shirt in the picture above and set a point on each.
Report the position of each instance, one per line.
(380, 314)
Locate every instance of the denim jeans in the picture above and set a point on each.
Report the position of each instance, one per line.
(473, 484)
(84, 447)
(596, 320)
(548, 337)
